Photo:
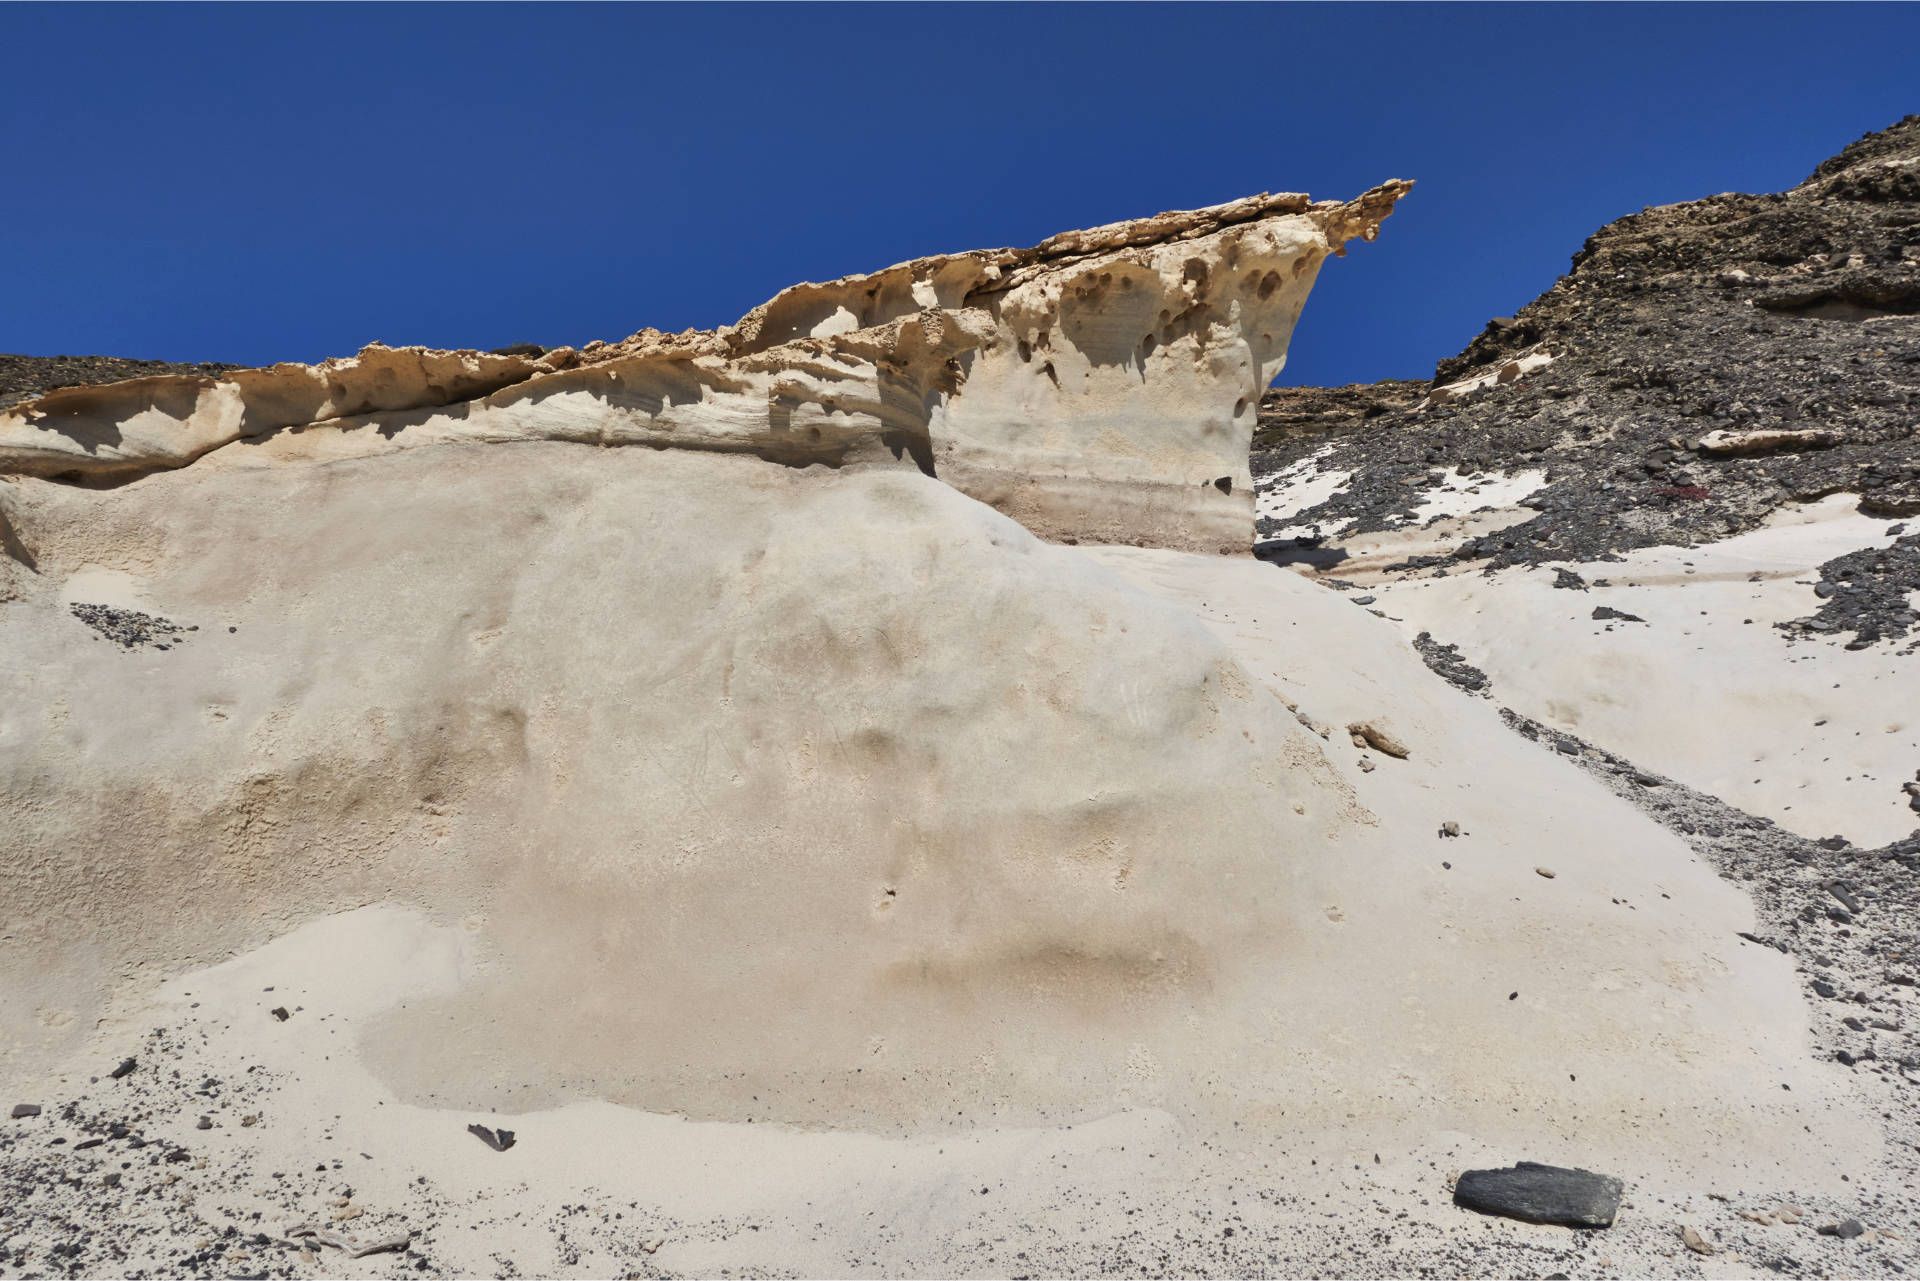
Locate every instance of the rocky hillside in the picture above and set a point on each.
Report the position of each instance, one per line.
(1698, 366)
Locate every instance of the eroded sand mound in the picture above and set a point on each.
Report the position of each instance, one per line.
(843, 801)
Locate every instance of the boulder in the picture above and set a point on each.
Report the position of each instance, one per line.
(1538, 1193)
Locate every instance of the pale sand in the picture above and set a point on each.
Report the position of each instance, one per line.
(1816, 738)
(1646, 1041)
(1297, 487)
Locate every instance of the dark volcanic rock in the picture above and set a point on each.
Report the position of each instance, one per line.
(1313, 414)
(1446, 661)
(1736, 313)
(1542, 1194)
(30, 377)
(1868, 593)
(129, 628)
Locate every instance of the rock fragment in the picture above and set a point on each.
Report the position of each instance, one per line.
(126, 1067)
(347, 1245)
(1846, 1229)
(1697, 1243)
(498, 1140)
(1377, 736)
(25, 1109)
(1536, 1193)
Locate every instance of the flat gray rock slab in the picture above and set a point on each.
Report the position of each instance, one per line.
(1536, 1193)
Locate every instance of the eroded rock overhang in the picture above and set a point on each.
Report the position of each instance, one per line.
(1098, 387)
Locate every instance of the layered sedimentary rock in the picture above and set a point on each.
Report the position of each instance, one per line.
(1099, 386)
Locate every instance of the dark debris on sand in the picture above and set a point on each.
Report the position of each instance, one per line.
(129, 628)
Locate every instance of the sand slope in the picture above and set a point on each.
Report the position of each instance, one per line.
(670, 784)
(1705, 689)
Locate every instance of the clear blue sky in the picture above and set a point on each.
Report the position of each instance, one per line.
(253, 183)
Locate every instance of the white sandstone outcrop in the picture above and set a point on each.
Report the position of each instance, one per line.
(1765, 440)
(1098, 386)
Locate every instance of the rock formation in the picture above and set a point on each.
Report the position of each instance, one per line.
(1676, 330)
(404, 789)
(1099, 386)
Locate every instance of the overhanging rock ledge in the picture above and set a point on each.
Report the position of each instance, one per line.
(1098, 387)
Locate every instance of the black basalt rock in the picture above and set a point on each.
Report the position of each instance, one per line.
(1535, 1193)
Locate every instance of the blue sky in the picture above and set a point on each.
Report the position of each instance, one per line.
(254, 183)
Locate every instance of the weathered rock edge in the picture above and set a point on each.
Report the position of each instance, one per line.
(1101, 385)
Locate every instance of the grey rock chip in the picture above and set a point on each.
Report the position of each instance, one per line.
(498, 1140)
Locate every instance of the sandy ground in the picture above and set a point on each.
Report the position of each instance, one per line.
(1706, 690)
(300, 1130)
(1457, 1009)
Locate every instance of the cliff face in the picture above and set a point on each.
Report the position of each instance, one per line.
(1098, 386)
(1635, 382)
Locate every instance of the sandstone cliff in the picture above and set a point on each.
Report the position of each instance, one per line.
(1099, 386)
